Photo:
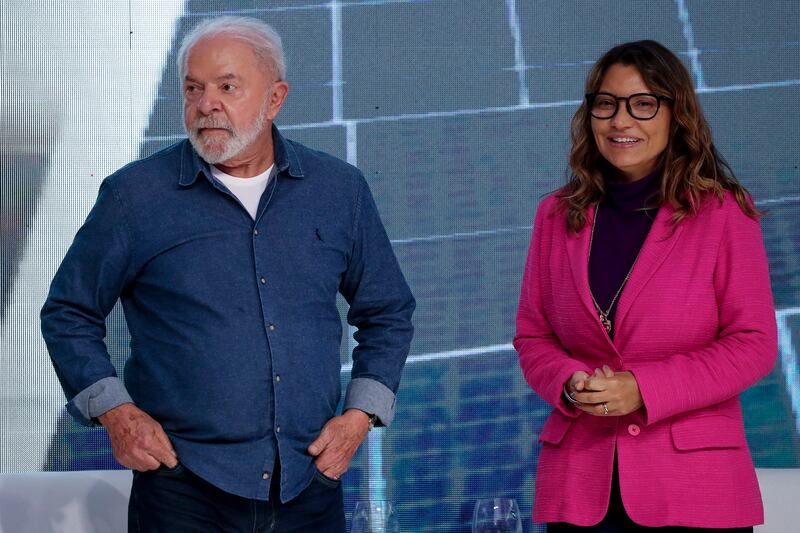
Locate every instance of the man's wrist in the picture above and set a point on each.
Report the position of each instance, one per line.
(371, 419)
(114, 412)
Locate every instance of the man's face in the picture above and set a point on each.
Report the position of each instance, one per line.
(229, 100)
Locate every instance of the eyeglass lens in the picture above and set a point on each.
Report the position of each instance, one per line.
(641, 106)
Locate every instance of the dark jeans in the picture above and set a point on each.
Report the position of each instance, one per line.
(177, 501)
(618, 521)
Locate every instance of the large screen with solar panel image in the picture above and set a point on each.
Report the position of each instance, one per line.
(457, 112)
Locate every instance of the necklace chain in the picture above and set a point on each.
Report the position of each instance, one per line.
(604, 314)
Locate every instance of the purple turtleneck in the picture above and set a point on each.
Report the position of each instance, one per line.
(620, 230)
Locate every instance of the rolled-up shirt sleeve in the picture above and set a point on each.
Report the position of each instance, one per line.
(372, 397)
(86, 286)
(381, 306)
(98, 398)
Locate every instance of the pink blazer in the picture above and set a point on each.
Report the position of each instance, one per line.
(695, 325)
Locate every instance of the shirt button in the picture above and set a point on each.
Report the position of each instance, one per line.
(272, 327)
(263, 280)
(265, 475)
(634, 430)
(278, 429)
(278, 379)
(255, 232)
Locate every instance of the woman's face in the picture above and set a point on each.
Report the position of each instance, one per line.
(632, 146)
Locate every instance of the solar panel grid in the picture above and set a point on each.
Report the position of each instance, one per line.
(469, 435)
(466, 428)
(760, 44)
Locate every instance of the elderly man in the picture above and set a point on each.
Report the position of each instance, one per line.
(227, 251)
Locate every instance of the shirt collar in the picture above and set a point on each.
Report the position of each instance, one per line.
(286, 160)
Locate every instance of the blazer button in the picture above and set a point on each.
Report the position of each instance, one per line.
(634, 430)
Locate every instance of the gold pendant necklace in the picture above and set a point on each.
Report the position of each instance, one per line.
(604, 314)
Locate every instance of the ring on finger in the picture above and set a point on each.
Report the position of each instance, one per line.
(605, 408)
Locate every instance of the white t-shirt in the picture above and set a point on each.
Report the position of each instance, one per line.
(247, 190)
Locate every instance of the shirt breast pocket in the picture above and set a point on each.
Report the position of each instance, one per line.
(316, 253)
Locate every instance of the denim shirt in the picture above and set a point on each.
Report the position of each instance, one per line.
(235, 331)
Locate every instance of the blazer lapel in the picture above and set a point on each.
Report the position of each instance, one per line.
(577, 247)
(659, 242)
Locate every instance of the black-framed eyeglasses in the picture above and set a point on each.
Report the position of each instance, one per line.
(641, 106)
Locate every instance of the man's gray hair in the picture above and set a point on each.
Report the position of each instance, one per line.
(264, 40)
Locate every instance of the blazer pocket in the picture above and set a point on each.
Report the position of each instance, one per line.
(555, 427)
(709, 431)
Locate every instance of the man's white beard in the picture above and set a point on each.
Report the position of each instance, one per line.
(216, 151)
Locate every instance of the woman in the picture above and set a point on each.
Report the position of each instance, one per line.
(645, 310)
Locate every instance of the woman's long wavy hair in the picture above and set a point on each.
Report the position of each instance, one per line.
(691, 168)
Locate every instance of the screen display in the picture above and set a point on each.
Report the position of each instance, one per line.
(457, 112)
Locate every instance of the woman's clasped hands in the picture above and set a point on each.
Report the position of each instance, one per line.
(604, 393)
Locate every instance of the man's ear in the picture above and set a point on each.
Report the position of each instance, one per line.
(277, 95)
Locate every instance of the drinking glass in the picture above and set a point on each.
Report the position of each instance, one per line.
(374, 516)
(496, 515)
